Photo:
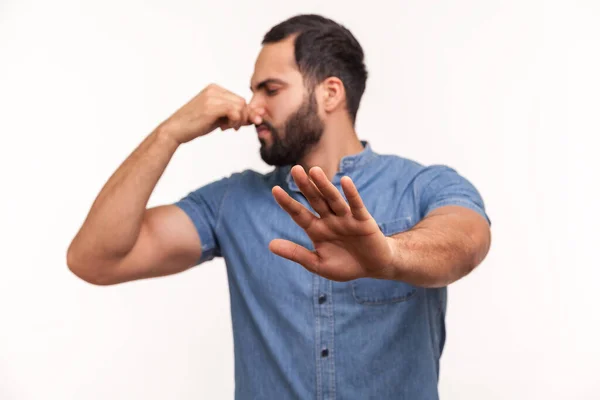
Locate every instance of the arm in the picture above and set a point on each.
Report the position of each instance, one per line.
(444, 247)
(451, 239)
(121, 240)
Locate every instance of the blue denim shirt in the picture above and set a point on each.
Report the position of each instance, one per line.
(300, 336)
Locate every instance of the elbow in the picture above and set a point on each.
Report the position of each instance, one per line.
(481, 243)
(475, 253)
(466, 260)
(86, 270)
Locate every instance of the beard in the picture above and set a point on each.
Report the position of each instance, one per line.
(300, 133)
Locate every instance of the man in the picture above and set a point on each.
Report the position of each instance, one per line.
(338, 259)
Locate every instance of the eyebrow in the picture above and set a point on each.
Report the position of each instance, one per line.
(267, 82)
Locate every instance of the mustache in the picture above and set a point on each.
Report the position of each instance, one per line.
(265, 124)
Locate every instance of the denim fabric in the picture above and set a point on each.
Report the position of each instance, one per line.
(300, 336)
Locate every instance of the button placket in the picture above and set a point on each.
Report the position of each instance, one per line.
(324, 338)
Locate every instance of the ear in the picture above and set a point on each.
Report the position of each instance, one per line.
(333, 94)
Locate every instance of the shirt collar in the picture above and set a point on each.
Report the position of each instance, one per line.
(347, 164)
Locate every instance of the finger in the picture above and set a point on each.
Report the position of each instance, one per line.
(296, 253)
(223, 123)
(245, 117)
(357, 207)
(234, 116)
(230, 112)
(234, 108)
(238, 110)
(232, 97)
(310, 191)
(297, 211)
(333, 197)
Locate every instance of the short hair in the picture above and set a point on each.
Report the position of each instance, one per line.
(324, 48)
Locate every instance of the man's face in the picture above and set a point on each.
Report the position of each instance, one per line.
(291, 123)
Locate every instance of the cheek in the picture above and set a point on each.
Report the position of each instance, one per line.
(281, 107)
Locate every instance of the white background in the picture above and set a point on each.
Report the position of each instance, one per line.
(507, 92)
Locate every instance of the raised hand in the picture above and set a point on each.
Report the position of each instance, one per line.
(347, 240)
(214, 107)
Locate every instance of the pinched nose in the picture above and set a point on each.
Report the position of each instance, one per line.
(256, 115)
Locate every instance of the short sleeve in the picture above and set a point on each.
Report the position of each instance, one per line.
(203, 206)
(439, 185)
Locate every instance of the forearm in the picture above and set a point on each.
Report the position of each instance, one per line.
(438, 251)
(115, 218)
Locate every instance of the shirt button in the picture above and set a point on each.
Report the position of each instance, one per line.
(322, 299)
(324, 353)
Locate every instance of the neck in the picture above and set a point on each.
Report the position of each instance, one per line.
(335, 144)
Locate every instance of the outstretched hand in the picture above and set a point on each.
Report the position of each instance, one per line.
(347, 240)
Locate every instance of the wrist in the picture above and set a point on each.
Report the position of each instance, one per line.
(395, 267)
(166, 135)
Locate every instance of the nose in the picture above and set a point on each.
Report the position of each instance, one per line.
(255, 102)
(256, 107)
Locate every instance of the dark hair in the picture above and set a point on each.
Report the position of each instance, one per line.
(324, 48)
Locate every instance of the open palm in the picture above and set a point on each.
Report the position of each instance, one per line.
(347, 240)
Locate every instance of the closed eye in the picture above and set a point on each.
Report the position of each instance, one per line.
(271, 92)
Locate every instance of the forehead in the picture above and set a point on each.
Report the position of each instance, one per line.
(276, 61)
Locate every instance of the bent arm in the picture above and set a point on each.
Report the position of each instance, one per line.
(121, 239)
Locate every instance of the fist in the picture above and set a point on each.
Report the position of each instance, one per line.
(214, 107)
